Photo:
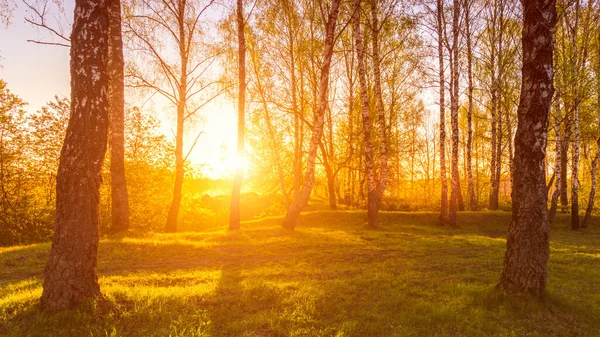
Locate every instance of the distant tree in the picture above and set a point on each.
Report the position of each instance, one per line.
(527, 247)
(70, 273)
(234, 210)
(13, 177)
(149, 164)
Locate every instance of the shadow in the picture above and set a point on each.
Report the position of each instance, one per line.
(328, 277)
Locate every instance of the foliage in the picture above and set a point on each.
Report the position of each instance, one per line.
(29, 149)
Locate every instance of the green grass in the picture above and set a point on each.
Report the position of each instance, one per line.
(331, 277)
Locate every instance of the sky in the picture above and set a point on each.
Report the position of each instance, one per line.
(36, 73)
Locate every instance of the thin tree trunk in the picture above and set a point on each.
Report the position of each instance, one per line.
(500, 94)
(329, 155)
(442, 80)
(590, 206)
(557, 170)
(301, 198)
(349, 67)
(461, 202)
(454, 195)
(575, 172)
(493, 204)
(116, 94)
(528, 245)
(493, 201)
(173, 215)
(564, 153)
(330, 179)
(70, 273)
(234, 211)
(297, 120)
(471, 186)
(384, 167)
(366, 121)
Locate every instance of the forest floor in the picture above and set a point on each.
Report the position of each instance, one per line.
(330, 277)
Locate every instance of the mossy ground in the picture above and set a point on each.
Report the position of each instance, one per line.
(330, 277)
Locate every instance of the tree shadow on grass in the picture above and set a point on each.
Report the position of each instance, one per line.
(315, 281)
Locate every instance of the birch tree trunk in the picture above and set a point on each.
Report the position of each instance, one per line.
(454, 115)
(564, 159)
(575, 172)
(557, 170)
(384, 168)
(499, 117)
(116, 96)
(493, 204)
(70, 273)
(590, 206)
(442, 80)
(528, 245)
(301, 198)
(493, 200)
(471, 186)
(366, 120)
(586, 36)
(234, 210)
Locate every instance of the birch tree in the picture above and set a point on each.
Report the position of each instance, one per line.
(301, 198)
(528, 245)
(70, 273)
(442, 87)
(155, 26)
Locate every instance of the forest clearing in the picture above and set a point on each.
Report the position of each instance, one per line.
(330, 277)
(299, 168)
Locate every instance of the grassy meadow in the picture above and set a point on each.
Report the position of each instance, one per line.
(330, 277)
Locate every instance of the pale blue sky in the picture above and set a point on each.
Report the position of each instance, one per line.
(37, 73)
(34, 72)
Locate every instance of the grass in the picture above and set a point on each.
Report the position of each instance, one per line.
(331, 277)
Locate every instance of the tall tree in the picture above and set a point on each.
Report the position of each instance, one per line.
(574, 30)
(468, 22)
(366, 118)
(116, 96)
(301, 198)
(596, 160)
(234, 211)
(440, 23)
(528, 245)
(381, 125)
(70, 273)
(454, 97)
(177, 74)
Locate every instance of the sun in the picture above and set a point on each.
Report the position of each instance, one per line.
(216, 149)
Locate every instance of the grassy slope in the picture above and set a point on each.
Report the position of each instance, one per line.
(331, 277)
